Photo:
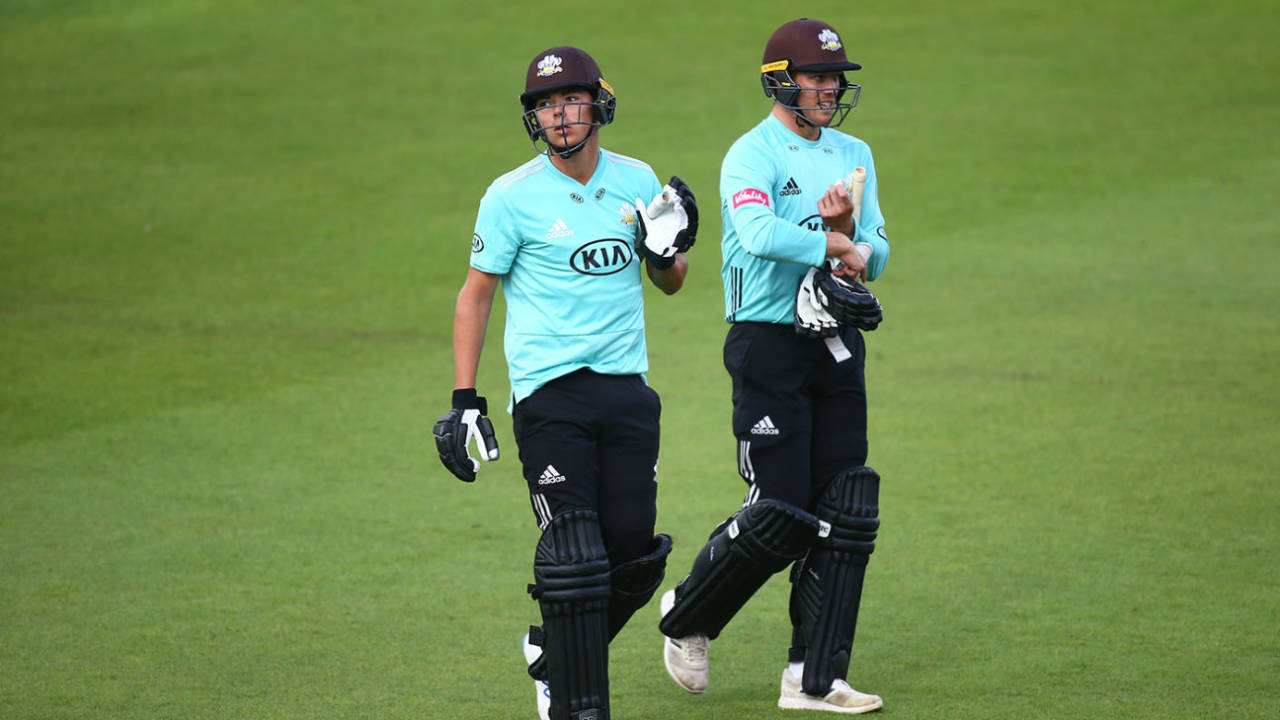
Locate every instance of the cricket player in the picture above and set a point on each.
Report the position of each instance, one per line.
(794, 249)
(565, 235)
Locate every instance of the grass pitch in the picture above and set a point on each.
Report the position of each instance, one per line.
(231, 237)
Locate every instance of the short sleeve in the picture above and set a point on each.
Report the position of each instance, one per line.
(496, 241)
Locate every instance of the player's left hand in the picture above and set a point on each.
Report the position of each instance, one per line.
(455, 431)
(812, 319)
(667, 225)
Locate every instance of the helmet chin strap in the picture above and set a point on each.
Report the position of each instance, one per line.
(803, 120)
(566, 153)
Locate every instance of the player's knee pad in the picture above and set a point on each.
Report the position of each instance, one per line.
(741, 555)
(827, 585)
(632, 585)
(571, 574)
(634, 582)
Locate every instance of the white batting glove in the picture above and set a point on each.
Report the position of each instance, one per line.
(659, 226)
(812, 319)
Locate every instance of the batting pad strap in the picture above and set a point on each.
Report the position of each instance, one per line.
(827, 589)
(571, 574)
(741, 555)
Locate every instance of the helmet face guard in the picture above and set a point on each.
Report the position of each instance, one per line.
(602, 110)
(783, 89)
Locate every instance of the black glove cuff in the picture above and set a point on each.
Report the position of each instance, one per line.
(659, 262)
(466, 399)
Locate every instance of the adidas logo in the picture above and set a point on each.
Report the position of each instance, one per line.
(791, 188)
(764, 427)
(551, 476)
(558, 230)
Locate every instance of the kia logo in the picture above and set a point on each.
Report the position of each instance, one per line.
(813, 222)
(602, 257)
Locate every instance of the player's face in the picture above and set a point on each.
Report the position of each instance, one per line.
(565, 115)
(819, 91)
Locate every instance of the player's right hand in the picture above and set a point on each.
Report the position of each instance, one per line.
(848, 301)
(458, 427)
(685, 239)
(836, 208)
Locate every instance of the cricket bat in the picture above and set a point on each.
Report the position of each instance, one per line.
(660, 203)
(856, 182)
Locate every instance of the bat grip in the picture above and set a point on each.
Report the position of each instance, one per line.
(660, 203)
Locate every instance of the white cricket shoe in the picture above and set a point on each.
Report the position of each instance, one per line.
(686, 657)
(543, 690)
(841, 699)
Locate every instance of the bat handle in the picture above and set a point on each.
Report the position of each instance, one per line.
(659, 204)
(856, 182)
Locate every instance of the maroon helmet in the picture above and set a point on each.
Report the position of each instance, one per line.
(557, 69)
(807, 46)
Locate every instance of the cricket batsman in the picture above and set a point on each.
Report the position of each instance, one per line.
(566, 235)
(802, 225)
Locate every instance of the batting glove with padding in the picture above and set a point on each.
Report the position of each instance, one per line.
(685, 240)
(455, 431)
(811, 319)
(848, 301)
(667, 225)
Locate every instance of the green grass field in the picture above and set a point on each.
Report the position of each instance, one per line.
(231, 234)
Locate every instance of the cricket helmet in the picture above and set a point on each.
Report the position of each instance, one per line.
(806, 45)
(557, 69)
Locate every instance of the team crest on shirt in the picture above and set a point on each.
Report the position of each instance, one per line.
(628, 214)
(549, 65)
(830, 40)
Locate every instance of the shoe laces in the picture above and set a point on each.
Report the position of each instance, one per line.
(694, 648)
(845, 689)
